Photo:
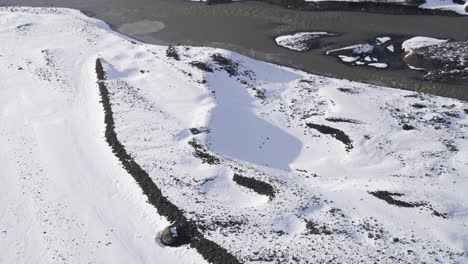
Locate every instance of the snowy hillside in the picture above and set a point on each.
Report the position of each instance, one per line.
(249, 161)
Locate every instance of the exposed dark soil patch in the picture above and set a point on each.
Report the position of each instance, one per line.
(211, 251)
(336, 133)
(348, 90)
(226, 64)
(257, 186)
(389, 198)
(201, 65)
(201, 153)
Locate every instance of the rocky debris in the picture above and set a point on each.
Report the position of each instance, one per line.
(226, 64)
(257, 186)
(302, 41)
(342, 120)
(336, 133)
(202, 66)
(200, 130)
(202, 154)
(443, 61)
(171, 52)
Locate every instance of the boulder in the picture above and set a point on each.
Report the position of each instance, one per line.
(174, 236)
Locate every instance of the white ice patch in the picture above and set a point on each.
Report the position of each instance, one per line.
(383, 40)
(391, 48)
(378, 65)
(297, 41)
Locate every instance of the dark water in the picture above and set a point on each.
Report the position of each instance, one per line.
(250, 27)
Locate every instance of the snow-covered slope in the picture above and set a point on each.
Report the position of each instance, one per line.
(270, 163)
(64, 196)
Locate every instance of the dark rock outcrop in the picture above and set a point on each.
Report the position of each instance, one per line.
(444, 61)
(389, 198)
(175, 235)
(336, 133)
(255, 185)
(407, 127)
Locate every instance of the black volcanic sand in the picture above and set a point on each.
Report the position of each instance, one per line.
(250, 28)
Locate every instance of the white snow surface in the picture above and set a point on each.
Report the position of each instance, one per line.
(419, 42)
(378, 65)
(64, 194)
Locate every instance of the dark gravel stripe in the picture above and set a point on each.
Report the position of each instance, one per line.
(211, 251)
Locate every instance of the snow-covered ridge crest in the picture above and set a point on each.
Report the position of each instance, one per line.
(268, 162)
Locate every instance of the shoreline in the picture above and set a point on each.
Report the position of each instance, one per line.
(252, 27)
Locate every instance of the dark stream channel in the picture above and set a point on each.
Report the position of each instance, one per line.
(250, 28)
